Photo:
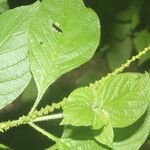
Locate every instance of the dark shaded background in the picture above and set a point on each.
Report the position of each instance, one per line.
(24, 137)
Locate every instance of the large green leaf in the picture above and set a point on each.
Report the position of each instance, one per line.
(84, 108)
(79, 139)
(14, 63)
(126, 97)
(134, 136)
(142, 40)
(123, 99)
(3, 6)
(63, 35)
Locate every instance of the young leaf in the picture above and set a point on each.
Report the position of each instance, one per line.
(126, 97)
(84, 108)
(141, 40)
(106, 135)
(79, 138)
(3, 6)
(134, 136)
(63, 35)
(14, 63)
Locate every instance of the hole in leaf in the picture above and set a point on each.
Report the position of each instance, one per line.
(57, 28)
(41, 42)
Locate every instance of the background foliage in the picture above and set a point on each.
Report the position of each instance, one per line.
(125, 31)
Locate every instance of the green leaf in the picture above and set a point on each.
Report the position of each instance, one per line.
(120, 52)
(3, 147)
(142, 40)
(134, 136)
(79, 138)
(63, 35)
(123, 99)
(106, 135)
(14, 63)
(84, 108)
(126, 97)
(3, 6)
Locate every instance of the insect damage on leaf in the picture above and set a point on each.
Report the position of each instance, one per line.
(56, 28)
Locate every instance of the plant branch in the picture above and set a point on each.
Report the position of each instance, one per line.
(49, 117)
(4, 126)
(45, 133)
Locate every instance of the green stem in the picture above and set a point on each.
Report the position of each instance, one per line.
(49, 117)
(45, 133)
(36, 103)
